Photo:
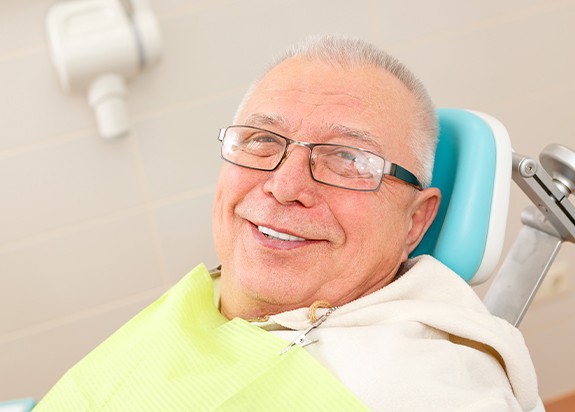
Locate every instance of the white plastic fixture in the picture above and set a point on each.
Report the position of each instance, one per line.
(96, 46)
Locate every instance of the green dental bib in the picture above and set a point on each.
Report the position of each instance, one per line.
(181, 354)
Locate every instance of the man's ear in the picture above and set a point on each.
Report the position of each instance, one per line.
(424, 211)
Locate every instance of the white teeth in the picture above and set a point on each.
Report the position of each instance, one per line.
(278, 235)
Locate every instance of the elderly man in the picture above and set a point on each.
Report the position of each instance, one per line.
(323, 196)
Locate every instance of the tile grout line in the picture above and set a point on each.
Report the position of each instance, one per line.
(80, 315)
(496, 20)
(77, 227)
(149, 211)
(89, 132)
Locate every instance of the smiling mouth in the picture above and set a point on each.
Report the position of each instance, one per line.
(272, 234)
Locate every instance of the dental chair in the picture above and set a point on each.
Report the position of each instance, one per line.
(473, 169)
(18, 405)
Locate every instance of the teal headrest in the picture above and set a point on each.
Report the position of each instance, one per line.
(464, 171)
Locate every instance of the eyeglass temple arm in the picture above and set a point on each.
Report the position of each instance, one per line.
(405, 175)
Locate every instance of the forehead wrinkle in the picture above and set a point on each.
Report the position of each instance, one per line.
(317, 96)
(264, 119)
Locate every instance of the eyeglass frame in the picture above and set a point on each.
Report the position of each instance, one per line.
(389, 168)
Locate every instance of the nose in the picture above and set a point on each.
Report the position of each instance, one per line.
(291, 182)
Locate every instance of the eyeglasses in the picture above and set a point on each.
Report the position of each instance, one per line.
(336, 165)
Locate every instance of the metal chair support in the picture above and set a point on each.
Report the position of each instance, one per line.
(546, 225)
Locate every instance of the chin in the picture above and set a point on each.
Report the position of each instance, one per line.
(272, 287)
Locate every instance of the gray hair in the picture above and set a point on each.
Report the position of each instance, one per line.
(348, 52)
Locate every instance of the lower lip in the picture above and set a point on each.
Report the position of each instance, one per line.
(277, 243)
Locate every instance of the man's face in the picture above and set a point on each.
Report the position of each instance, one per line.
(353, 241)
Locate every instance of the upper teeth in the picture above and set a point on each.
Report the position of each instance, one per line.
(278, 235)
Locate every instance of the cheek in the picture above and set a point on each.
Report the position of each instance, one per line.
(233, 185)
(218, 218)
(227, 192)
(374, 225)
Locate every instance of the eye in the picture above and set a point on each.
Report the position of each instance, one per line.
(343, 161)
(260, 138)
(261, 143)
(265, 138)
(346, 155)
(351, 158)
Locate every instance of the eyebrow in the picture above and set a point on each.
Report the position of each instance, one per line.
(359, 135)
(362, 137)
(261, 119)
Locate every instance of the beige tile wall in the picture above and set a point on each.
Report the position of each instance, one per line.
(91, 230)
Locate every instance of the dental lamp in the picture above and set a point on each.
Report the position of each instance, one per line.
(96, 46)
